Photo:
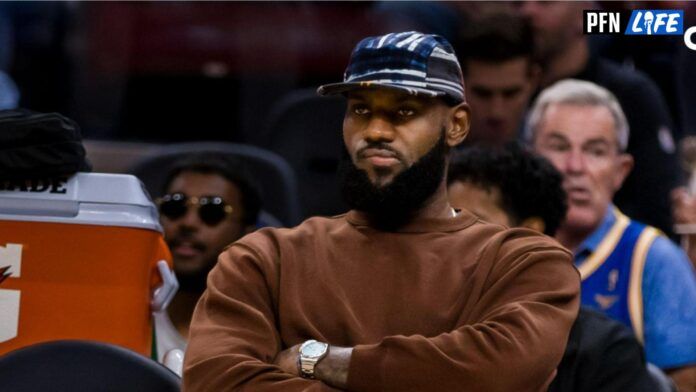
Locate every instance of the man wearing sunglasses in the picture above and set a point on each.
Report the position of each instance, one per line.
(209, 203)
(402, 293)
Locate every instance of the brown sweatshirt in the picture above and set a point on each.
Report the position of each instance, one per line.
(441, 305)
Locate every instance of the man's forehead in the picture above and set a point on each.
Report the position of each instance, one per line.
(584, 138)
(581, 118)
(564, 110)
(578, 124)
(393, 95)
(202, 182)
(497, 75)
(517, 66)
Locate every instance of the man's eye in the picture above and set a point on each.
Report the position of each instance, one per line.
(406, 112)
(558, 147)
(597, 151)
(482, 93)
(360, 110)
(510, 94)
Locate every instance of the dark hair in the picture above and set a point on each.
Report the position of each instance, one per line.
(497, 37)
(530, 186)
(225, 166)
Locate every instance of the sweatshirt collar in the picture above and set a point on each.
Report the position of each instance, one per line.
(420, 225)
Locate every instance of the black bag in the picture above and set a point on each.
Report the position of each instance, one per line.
(39, 145)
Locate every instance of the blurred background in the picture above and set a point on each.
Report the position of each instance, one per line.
(140, 74)
(179, 71)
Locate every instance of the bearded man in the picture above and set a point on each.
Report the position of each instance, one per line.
(402, 293)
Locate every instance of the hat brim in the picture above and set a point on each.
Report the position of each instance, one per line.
(343, 87)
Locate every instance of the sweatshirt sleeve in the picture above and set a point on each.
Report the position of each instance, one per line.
(233, 338)
(513, 342)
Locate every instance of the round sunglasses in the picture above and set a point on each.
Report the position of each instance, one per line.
(211, 209)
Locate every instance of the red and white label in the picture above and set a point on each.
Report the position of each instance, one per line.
(10, 267)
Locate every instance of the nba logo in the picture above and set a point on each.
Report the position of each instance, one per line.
(10, 267)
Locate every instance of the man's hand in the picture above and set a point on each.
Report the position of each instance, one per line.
(288, 360)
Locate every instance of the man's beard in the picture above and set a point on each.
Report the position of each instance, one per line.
(393, 205)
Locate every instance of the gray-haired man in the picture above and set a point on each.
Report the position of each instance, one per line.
(630, 271)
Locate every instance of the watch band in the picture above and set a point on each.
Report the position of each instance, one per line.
(307, 367)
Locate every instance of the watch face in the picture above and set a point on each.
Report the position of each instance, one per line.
(314, 349)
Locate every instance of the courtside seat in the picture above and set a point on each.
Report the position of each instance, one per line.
(306, 130)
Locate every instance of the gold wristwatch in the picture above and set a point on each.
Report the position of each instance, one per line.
(311, 352)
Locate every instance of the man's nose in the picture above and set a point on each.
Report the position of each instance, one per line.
(575, 162)
(379, 129)
(190, 219)
(497, 105)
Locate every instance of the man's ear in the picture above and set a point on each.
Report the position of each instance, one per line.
(534, 223)
(624, 166)
(458, 128)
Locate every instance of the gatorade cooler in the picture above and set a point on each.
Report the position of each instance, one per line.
(81, 258)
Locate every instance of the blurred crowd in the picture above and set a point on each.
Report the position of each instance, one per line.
(235, 72)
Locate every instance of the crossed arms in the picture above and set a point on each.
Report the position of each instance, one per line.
(510, 336)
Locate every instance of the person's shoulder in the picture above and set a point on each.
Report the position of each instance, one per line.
(666, 265)
(667, 259)
(664, 246)
(528, 239)
(661, 249)
(475, 224)
(504, 243)
(495, 231)
(311, 227)
(510, 254)
(268, 242)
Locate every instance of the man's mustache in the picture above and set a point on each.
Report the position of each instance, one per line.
(379, 146)
(181, 238)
